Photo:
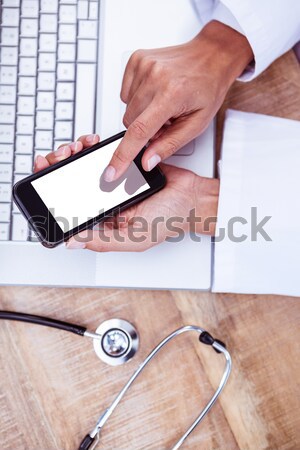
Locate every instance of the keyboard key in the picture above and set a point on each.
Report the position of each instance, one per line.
(29, 27)
(88, 29)
(44, 120)
(49, 6)
(8, 95)
(67, 33)
(11, 3)
(26, 105)
(87, 50)
(9, 36)
(67, 14)
(64, 110)
(10, 17)
(66, 52)
(28, 47)
(25, 124)
(46, 81)
(47, 61)
(27, 85)
(27, 66)
(9, 56)
(24, 144)
(48, 23)
(4, 231)
(47, 43)
(82, 9)
(66, 71)
(8, 75)
(6, 153)
(43, 140)
(93, 10)
(45, 101)
(23, 164)
(5, 173)
(30, 8)
(4, 212)
(5, 192)
(7, 114)
(64, 130)
(85, 99)
(65, 91)
(20, 228)
(7, 133)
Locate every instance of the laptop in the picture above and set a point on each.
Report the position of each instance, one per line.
(61, 69)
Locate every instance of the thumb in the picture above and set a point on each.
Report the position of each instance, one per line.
(175, 136)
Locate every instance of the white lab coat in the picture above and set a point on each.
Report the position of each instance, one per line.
(272, 27)
(259, 168)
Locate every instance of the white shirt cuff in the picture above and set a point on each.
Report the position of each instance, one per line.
(272, 28)
(224, 15)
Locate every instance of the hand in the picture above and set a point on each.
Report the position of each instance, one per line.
(173, 93)
(153, 220)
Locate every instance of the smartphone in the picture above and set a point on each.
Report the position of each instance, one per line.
(72, 195)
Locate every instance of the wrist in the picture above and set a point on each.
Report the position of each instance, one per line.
(230, 49)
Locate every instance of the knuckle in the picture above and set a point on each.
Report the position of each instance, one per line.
(158, 71)
(119, 157)
(138, 129)
(136, 56)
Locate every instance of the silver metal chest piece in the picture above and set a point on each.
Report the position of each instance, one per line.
(119, 342)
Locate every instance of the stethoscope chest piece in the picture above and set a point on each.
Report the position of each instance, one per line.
(119, 342)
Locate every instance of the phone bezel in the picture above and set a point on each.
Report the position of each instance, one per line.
(42, 221)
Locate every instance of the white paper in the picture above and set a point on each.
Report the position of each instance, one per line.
(259, 169)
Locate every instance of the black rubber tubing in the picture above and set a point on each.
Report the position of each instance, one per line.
(45, 321)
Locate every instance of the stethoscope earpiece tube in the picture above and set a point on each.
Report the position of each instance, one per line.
(86, 443)
(44, 321)
(207, 339)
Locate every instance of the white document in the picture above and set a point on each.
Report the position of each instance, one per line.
(259, 177)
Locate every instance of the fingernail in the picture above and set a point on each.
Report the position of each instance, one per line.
(153, 161)
(109, 174)
(38, 159)
(75, 147)
(61, 151)
(90, 138)
(75, 245)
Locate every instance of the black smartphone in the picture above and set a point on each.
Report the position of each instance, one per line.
(72, 195)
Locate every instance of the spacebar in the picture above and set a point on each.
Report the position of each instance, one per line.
(85, 99)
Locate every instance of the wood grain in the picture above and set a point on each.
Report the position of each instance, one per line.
(53, 387)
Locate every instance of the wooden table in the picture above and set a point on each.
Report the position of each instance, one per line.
(53, 387)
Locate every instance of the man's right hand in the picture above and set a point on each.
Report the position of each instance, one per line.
(173, 93)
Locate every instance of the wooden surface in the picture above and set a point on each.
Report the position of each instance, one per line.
(53, 387)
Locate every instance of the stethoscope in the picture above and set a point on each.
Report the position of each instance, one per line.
(116, 342)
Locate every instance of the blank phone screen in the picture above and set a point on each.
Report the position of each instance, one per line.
(77, 192)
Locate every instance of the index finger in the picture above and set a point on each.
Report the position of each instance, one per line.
(145, 126)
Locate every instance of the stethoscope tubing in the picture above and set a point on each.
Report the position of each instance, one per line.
(49, 322)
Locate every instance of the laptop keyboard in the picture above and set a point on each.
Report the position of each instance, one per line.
(48, 73)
